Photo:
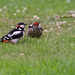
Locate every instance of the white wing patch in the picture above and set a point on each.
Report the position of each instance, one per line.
(9, 35)
(16, 32)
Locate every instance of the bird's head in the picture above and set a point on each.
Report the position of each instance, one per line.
(21, 24)
(36, 24)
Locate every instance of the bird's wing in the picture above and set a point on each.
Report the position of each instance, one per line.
(17, 34)
(8, 36)
(40, 27)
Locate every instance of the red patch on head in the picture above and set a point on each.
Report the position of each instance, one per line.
(36, 24)
(18, 25)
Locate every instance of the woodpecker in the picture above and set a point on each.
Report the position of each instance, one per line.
(14, 35)
(34, 30)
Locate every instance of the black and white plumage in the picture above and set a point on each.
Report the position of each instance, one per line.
(35, 30)
(14, 35)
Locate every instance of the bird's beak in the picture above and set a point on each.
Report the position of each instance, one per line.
(30, 23)
(25, 24)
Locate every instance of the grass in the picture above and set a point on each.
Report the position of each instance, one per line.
(53, 53)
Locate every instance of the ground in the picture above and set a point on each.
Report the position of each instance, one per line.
(53, 53)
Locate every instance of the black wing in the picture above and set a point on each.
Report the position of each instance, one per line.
(41, 29)
(8, 36)
(19, 35)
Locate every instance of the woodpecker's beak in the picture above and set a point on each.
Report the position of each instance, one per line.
(25, 24)
(30, 23)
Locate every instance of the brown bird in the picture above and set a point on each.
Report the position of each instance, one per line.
(35, 30)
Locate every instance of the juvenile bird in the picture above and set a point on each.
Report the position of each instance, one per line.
(35, 30)
(14, 35)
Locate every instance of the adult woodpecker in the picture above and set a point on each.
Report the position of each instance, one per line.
(14, 35)
(35, 30)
